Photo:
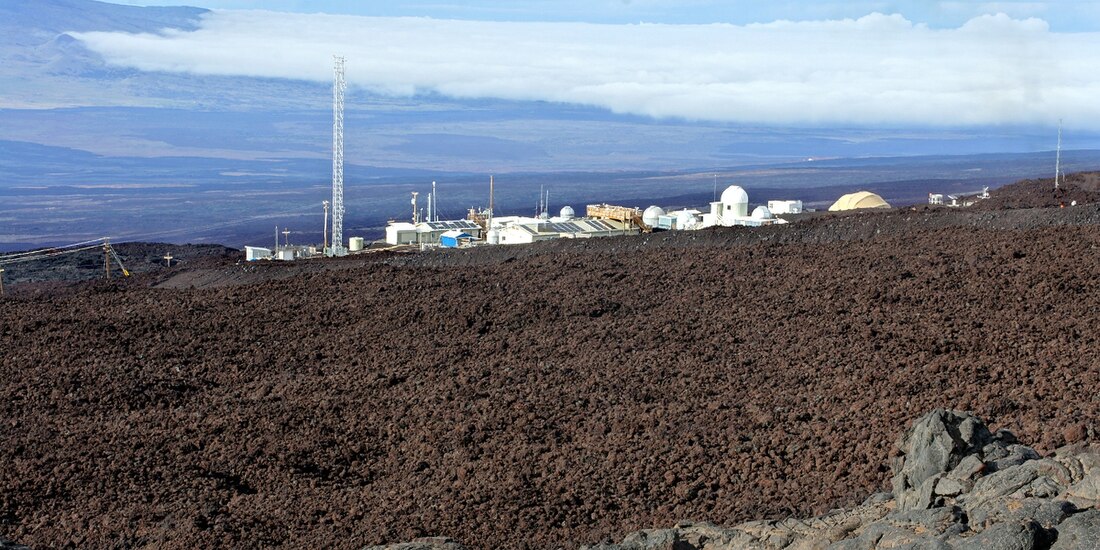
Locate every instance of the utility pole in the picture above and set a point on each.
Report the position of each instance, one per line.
(107, 256)
(324, 237)
(490, 203)
(1058, 157)
(276, 249)
(1, 281)
(286, 236)
(168, 259)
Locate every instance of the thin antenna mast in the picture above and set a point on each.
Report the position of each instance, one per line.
(490, 202)
(434, 216)
(415, 219)
(324, 231)
(339, 85)
(1058, 157)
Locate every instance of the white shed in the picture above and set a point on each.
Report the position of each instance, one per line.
(253, 253)
(400, 233)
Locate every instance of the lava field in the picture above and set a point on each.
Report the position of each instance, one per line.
(528, 397)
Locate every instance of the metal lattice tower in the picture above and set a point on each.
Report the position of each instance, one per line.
(338, 87)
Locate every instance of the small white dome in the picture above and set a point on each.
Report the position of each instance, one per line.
(762, 213)
(685, 220)
(567, 212)
(652, 215)
(734, 195)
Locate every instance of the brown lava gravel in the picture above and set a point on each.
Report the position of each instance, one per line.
(538, 396)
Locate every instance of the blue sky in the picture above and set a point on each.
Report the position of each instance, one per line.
(1062, 15)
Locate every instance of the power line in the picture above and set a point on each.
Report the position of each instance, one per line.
(49, 255)
(48, 249)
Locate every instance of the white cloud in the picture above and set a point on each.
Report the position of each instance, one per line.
(871, 70)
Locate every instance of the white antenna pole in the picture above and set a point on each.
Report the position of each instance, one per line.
(1058, 156)
(430, 197)
(339, 85)
(714, 198)
(490, 202)
(276, 239)
(415, 219)
(324, 229)
(435, 205)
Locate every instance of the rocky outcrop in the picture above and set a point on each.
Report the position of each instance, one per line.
(956, 486)
(426, 543)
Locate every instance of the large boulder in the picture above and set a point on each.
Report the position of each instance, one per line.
(1080, 532)
(930, 449)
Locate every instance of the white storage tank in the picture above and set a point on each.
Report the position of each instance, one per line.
(355, 244)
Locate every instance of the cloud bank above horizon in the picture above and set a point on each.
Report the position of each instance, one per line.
(875, 70)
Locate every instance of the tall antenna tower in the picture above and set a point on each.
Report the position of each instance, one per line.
(1058, 157)
(338, 87)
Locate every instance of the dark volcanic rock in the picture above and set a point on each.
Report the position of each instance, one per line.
(930, 449)
(1030, 511)
(730, 375)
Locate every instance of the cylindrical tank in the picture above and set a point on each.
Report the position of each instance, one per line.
(492, 236)
(355, 244)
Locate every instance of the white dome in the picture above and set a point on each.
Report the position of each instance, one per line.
(735, 204)
(567, 212)
(652, 215)
(762, 213)
(685, 220)
(735, 195)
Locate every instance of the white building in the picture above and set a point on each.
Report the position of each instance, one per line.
(732, 209)
(253, 253)
(785, 207)
(428, 232)
(431, 232)
(585, 228)
(400, 233)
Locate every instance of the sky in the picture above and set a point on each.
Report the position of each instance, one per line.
(788, 63)
(1062, 15)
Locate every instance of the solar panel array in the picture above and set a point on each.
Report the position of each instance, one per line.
(582, 226)
(456, 224)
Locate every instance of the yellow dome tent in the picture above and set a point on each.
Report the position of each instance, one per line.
(862, 199)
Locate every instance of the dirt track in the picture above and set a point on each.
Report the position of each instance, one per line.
(538, 396)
